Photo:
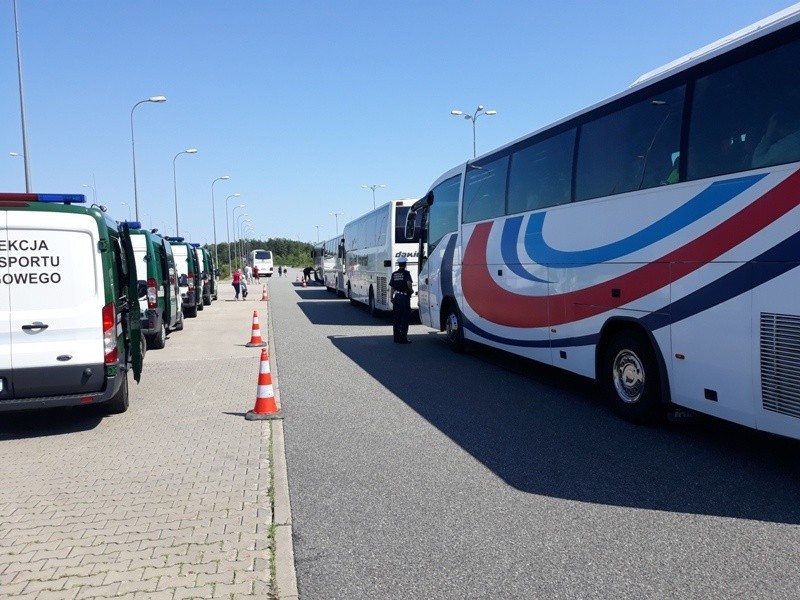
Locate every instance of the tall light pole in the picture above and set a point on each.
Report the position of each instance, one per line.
(129, 210)
(336, 216)
(372, 187)
(214, 218)
(228, 229)
(241, 234)
(317, 226)
(94, 191)
(233, 214)
(156, 99)
(474, 117)
(22, 107)
(175, 184)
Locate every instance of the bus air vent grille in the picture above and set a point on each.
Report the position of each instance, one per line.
(780, 363)
(383, 297)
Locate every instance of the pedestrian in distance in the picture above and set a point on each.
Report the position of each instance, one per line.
(255, 273)
(248, 274)
(237, 283)
(402, 288)
(244, 288)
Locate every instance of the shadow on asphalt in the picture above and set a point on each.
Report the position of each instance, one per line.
(545, 432)
(326, 308)
(50, 421)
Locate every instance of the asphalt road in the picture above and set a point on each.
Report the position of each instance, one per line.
(415, 472)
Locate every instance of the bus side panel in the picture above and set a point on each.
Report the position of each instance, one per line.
(5, 314)
(711, 372)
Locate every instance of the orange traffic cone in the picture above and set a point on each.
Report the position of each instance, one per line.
(264, 296)
(265, 407)
(255, 336)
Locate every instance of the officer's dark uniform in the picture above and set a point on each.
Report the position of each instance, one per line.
(400, 282)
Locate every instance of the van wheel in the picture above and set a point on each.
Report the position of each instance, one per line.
(158, 340)
(631, 379)
(207, 300)
(179, 324)
(119, 402)
(199, 307)
(190, 313)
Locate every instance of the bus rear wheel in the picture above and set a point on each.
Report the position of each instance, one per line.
(631, 379)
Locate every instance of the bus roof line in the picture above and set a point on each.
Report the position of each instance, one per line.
(738, 37)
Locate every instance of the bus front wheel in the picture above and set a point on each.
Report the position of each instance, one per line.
(631, 379)
(454, 327)
(373, 309)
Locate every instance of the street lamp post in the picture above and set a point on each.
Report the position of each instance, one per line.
(233, 214)
(94, 192)
(175, 184)
(473, 117)
(129, 210)
(228, 229)
(157, 99)
(241, 235)
(317, 226)
(336, 216)
(22, 107)
(372, 187)
(214, 219)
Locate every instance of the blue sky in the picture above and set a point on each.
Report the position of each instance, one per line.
(301, 103)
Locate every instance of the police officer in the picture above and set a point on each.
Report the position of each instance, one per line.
(402, 288)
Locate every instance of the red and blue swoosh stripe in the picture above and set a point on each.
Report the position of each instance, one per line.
(502, 307)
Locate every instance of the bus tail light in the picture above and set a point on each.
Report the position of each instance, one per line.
(152, 294)
(110, 334)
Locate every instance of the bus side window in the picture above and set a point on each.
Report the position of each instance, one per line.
(733, 110)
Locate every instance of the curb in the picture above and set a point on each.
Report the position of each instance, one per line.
(286, 576)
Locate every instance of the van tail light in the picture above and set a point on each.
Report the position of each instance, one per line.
(191, 282)
(152, 294)
(110, 334)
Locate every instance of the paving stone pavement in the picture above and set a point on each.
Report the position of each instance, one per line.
(168, 500)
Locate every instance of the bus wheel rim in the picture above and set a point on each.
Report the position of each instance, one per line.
(629, 376)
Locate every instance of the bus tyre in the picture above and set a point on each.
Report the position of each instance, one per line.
(350, 295)
(119, 402)
(454, 327)
(159, 340)
(631, 379)
(373, 310)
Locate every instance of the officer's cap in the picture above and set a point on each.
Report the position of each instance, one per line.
(402, 260)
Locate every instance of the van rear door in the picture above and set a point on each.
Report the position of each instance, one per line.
(129, 282)
(5, 314)
(55, 300)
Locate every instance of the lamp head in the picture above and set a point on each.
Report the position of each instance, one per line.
(191, 151)
(490, 112)
(457, 113)
(157, 99)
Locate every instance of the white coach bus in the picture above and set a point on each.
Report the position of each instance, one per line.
(372, 244)
(651, 241)
(263, 260)
(329, 264)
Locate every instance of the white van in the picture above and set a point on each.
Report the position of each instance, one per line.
(69, 315)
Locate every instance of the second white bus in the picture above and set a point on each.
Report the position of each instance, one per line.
(263, 260)
(372, 245)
